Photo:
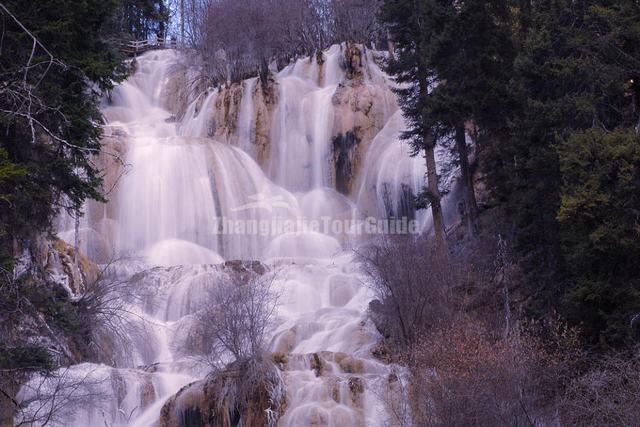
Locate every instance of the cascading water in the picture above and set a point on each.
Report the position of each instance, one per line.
(168, 208)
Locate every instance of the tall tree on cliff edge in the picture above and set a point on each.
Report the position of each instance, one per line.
(471, 54)
(406, 21)
(141, 19)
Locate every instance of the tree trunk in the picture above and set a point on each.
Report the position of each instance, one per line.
(429, 144)
(161, 27)
(468, 193)
(434, 194)
(182, 22)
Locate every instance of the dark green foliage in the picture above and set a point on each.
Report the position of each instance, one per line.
(54, 303)
(50, 119)
(27, 358)
(29, 298)
(8, 171)
(470, 50)
(572, 73)
(404, 19)
(550, 89)
(600, 231)
(139, 19)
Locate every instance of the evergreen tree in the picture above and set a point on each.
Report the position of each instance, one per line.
(139, 19)
(471, 53)
(599, 230)
(576, 72)
(53, 62)
(406, 21)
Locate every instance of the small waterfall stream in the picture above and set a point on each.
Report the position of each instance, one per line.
(165, 218)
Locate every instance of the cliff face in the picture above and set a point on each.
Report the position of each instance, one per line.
(226, 111)
(50, 281)
(42, 327)
(360, 112)
(360, 106)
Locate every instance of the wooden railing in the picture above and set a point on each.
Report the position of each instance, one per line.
(135, 47)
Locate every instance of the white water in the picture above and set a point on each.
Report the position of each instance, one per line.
(181, 183)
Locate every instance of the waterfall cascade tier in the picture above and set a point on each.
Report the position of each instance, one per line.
(331, 152)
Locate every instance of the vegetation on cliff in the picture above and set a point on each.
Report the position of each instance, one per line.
(547, 91)
(57, 58)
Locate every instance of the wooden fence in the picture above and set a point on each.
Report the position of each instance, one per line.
(135, 47)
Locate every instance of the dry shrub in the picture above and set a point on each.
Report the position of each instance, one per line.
(466, 374)
(239, 317)
(414, 288)
(606, 395)
(457, 325)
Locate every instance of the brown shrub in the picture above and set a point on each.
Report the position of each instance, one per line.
(473, 357)
(466, 374)
(608, 394)
(413, 288)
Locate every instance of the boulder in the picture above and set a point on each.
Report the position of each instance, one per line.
(228, 398)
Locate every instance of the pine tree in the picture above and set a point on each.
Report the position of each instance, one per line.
(406, 21)
(599, 220)
(139, 19)
(575, 87)
(550, 87)
(470, 50)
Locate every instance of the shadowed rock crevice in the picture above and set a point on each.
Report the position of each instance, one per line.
(344, 146)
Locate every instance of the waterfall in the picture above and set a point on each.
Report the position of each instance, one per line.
(245, 133)
(180, 183)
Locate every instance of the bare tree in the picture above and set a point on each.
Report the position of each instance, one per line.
(467, 373)
(355, 20)
(471, 360)
(414, 288)
(607, 394)
(48, 399)
(240, 316)
(237, 38)
(243, 378)
(105, 308)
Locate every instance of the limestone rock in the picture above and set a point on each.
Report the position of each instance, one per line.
(226, 110)
(215, 400)
(356, 388)
(354, 62)
(360, 112)
(59, 263)
(265, 101)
